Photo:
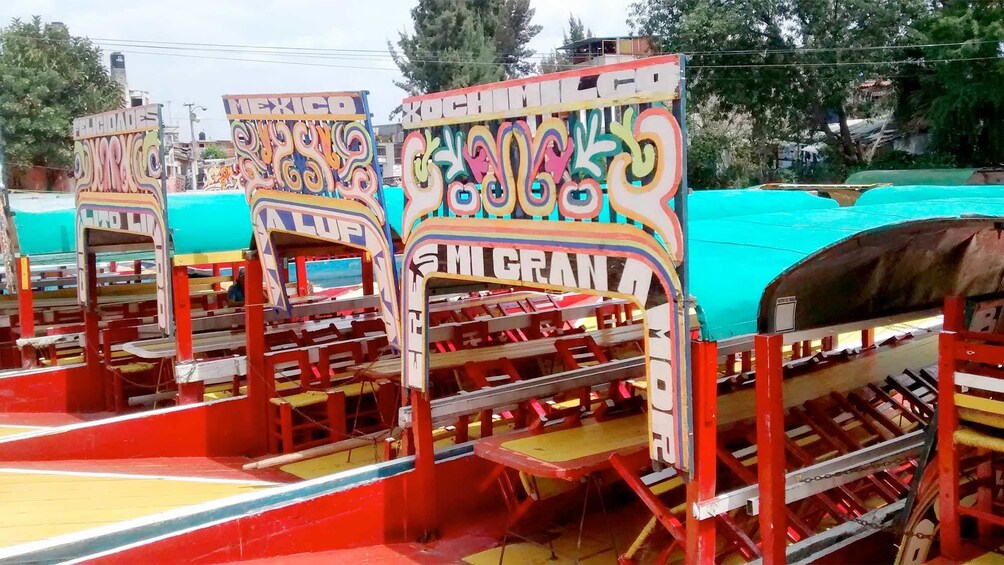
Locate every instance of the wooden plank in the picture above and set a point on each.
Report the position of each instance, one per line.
(977, 403)
(391, 368)
(866, 368)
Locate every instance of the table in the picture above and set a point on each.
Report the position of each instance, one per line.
(391, 368)
(569, 453)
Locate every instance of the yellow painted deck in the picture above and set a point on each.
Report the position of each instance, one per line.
(10, 430)
(39, 505)
(334, 463)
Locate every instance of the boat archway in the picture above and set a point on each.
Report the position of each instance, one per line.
(283, 219)
(307, 163)
(610, 260)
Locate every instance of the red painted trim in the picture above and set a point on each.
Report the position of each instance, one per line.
(867, 338)
(587, 71)
(88, 395)
(25, 308)
(366, 515)
(423, 482)
(367, 275)
(40, 390)
(254, 323)
(954, 314)
(770, 447)
(301, 276)
(700, 545)
(206, 430)
(948, 458)
(191, 393)
(182, 313)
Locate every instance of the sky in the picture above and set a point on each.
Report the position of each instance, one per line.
(175, 76)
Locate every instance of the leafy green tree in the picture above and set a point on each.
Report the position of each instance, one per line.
(213, 152)
(961, 101)
(460, 43)
(790, 65)
(47, 78)
(559, 61)
(509, 24)
(449, 49)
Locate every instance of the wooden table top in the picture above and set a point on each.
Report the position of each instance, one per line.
(568, 453)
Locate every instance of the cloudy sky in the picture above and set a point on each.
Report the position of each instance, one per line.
(358, 29)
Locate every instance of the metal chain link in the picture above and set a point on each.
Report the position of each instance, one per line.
(881, 464)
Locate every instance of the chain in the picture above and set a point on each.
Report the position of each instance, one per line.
(881, 464)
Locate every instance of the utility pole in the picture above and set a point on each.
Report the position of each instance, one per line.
(192, 118)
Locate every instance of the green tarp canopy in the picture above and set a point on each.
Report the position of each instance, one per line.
(943, 177)
(201, 222)
(894, 194)
(733, 260)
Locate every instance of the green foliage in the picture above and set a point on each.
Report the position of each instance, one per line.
(460, 43)
(720, 155)
(213, 152)
(508, 23)
(47, 78)
(787, 92)
(960, 101)
(559, 61)
(900, 160)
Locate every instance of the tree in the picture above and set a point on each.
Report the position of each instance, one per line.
(959, 98)
(460, 43)
(559, 61)
(213, 152)
(449, 49)
(791, 65)
(508, 23)
(47, 78)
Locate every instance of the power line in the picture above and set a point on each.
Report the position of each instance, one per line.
(692, 66)
(383, 54)
(842, 63)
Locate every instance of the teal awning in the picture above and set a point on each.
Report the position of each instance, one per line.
(201, 222)
(205, 222)
(733, 260)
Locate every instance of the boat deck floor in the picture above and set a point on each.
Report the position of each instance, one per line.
(19, 423)
(45, 499)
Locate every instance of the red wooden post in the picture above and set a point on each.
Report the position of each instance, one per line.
(26, 308)
(367, 267)
(948, 458)
(954, 314)
(94, 385)
(137, 267)
(770, 447)
(424, 502)
(217, 271)
(867, 338)
(701, 533)
(254, 325)
(301, 276)
(747, 361)
(188, 393)
(182, 313)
